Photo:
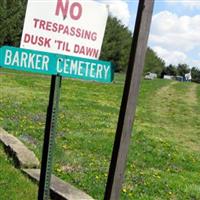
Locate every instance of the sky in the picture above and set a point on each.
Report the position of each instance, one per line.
(175, 28)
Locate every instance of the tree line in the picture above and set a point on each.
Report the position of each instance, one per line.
(181, 70)
(115, 48)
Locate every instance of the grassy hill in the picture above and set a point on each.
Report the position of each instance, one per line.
(163, 160)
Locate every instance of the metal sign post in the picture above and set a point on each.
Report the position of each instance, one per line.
(128, 105)
(49, 138)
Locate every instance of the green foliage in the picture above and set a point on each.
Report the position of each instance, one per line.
(13, 184)
(195, 75)
(182, 69)
(11, 17)
(169, 70)
(2, 20)
(116, 48)
(153, 63)
(116, 44)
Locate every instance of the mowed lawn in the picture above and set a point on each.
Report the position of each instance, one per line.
(13, 184)
(163, 160)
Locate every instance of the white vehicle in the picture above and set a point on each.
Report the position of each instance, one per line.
(150, 76)
(168, 77)
(188, 77)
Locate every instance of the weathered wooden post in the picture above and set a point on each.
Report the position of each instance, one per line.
(129, 99)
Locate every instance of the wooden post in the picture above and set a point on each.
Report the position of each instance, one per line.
(129, 100)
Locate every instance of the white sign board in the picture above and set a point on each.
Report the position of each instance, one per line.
(70, 27)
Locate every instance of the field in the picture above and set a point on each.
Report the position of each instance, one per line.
(163, 160)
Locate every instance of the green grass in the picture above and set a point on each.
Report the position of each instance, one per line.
(163, 160)
(13, 184)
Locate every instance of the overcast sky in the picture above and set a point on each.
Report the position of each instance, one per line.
(175, 29)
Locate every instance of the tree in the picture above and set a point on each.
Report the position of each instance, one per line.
(11, 21)
(2, 20)
(169, 70)
(116, 48)
(182, 69)
(195, 75)
(153, 63)
(116, 44)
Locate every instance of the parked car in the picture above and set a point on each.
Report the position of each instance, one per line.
(179, 78)
(150, 76)
(168, 77)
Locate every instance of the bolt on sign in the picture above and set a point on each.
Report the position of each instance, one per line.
(69, 27)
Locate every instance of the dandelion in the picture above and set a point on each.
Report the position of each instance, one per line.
(124, 190)
(64, 146)
(59, 170)
(130, 194)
